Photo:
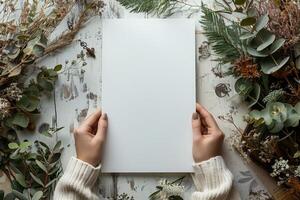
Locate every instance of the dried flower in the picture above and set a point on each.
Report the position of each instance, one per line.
(284, 19)
(13, 93)
(4, 108)
(245, 67)
(279, 167)
(297, 171)
(169, 189)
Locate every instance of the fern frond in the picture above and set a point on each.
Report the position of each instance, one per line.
(224, 38)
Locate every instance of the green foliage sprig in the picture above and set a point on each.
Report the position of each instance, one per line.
(33, 171)
(224, 38)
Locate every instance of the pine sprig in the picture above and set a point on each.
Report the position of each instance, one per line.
(157, 7)
(224, 38)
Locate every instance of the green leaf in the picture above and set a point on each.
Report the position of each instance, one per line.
(276, 45)
(28, 103)
(297, 154)
(267, 38)
(21, 120)
(56, 148)
(254, 94)
(262, 22)
(277, 111)
(239, 2)
(255, 53)
(38, 50)
(19, 195)
(277, 127)
(246, 36)
(41, 165)
(13, 145)
(20, 178)
(24, 146)
(46, 85)
(243, 86)
(292, 116)
(36, 179)
(268, 66)
(58, 67)
(38, 195)
(248, 21)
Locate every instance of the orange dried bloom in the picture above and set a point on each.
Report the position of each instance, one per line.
(245, 67)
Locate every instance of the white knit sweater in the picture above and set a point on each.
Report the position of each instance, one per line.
(212, 179)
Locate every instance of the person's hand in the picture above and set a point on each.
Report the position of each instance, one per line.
(207, 136)
(90, 137)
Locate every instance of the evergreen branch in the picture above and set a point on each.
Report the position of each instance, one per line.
(157, 7)
(224, 38)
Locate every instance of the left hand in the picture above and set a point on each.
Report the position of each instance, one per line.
(90, 137)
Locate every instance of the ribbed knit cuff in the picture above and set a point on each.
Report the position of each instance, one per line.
(81, 172)
(212, 179)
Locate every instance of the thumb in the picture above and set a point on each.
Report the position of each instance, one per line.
(102, 128)
(196, 125)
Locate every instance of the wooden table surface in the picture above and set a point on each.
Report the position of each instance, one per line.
(78, 92)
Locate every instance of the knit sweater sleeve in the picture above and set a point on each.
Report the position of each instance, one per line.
(78, 182)
(212, 179)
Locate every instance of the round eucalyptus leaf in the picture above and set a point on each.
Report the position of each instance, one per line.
(24, 145)
(20, 119)
(45, 84)
(268, 65)
(277, 127)
(38, 50)
(276, 45)
(293, 117)
(243, 87)
(248, 21)
(266, 37)
(277, 111)
(255, 53)
(254, 94)
(246, 36)
(261, 22)
(28, 103)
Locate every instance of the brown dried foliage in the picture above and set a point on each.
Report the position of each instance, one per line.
(284, 19)
(245, 67)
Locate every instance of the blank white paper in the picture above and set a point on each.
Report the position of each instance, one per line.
(148, 92)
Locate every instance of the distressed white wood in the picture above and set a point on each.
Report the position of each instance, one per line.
(77, 94)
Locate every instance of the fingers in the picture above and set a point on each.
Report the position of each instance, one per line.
(92, 119)
(102, 128)
(196, 125)
(207, 118)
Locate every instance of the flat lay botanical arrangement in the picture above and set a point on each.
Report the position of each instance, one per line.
(258, 43)
(33, 167)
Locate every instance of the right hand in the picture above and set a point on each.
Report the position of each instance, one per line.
(90, 137)
(207, 136)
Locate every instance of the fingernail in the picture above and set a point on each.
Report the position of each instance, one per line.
(195, 116)
(104, 115)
